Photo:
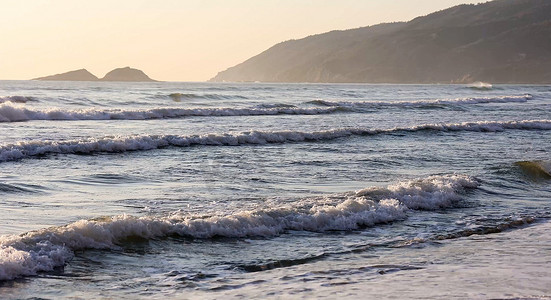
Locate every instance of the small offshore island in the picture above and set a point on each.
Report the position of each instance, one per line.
(120, 74)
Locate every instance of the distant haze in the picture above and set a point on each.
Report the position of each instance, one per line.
(173, 40)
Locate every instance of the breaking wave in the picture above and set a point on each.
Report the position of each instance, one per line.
(15, 113)
(16, 99)
(10, 111)
(276, 105)
(45, 249)
(479, 85)
(537, 169)
(134, 143)
(183, 96)
(423, 103)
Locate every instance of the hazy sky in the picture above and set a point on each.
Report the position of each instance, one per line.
(174, 40)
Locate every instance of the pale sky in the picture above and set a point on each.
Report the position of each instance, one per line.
(173, 40)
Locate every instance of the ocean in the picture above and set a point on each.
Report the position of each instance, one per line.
(218, 190)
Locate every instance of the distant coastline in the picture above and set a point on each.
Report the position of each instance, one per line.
(501, 41)
(126, 74)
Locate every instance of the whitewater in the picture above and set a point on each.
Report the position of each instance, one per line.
(210, 190)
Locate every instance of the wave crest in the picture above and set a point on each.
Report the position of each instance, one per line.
(13, 112)
(423, 103)
(178, 97)
(16, 113)
(429, 193)
(135, 143)
(537, 169)
(48, 248)
(16, 99)
(479, 85)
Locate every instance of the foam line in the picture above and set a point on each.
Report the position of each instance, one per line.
(10, 112)
(22, 150)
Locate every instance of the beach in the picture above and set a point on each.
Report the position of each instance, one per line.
(257, 190)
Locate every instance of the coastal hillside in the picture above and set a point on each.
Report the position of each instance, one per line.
(502, 41)
(119, 74)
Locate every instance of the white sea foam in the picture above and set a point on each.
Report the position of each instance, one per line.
(48, 248)
(424, 103)
(10, 112)
(479, 85)
(429, 193)
(134, 143)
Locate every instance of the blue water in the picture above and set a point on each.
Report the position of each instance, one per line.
(208, 190)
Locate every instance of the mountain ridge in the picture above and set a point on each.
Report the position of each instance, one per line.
(502, 41)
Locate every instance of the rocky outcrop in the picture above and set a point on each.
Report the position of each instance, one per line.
(120, 74)
(126, 74)
(77, 75)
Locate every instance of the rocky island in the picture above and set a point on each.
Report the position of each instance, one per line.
(77, 75)
(120, 74)
(126, 74)
(502, 41)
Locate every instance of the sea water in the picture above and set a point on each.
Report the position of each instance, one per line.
(251, 190)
